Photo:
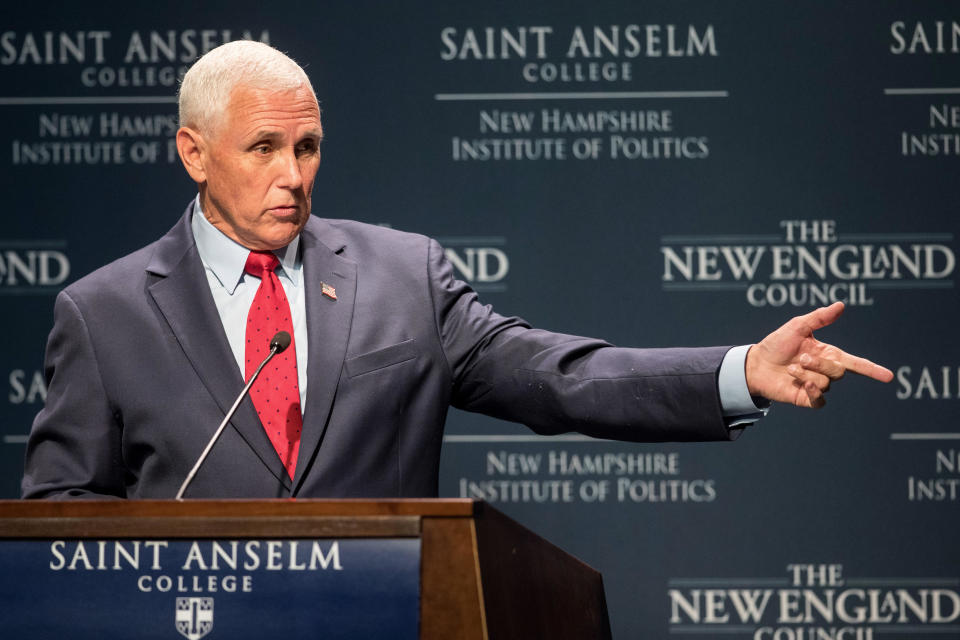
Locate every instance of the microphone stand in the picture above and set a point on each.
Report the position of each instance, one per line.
(276, 346)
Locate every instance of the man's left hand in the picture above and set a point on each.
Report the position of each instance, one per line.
(790, 365)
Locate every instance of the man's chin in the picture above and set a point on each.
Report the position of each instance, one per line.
(276, 236)
(282, 233)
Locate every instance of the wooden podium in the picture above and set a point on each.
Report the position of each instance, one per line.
(482, 575)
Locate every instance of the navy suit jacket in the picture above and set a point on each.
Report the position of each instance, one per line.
(140, 375)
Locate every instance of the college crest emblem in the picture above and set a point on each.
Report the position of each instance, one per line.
(194, 618)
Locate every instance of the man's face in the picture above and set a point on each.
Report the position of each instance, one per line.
(260, 165)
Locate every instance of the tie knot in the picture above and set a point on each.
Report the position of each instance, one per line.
(259, 262)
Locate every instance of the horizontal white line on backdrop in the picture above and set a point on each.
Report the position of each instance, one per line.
(579, 95)
(927, 91)
(40, 100)
(518, 438)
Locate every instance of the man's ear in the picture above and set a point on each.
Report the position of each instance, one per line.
(192, 149)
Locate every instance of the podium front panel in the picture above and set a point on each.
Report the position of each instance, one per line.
(228, 588)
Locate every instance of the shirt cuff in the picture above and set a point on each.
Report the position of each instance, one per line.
(738, 406)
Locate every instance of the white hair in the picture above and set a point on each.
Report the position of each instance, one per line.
(206, 87)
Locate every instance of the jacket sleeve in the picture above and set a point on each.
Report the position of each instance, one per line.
(556, 383)
(74, 449)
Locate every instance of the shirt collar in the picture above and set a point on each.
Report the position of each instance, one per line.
(226, 258)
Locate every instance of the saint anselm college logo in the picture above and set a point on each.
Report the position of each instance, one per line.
(194, 617)
(103, 58)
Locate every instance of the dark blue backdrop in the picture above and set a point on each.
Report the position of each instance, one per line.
(726, 157)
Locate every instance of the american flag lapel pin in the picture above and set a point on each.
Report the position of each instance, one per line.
(328, 291)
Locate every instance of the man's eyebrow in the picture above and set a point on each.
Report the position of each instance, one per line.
(269, 134)
(264, 134)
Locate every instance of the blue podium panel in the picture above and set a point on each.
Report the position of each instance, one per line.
(289, 588)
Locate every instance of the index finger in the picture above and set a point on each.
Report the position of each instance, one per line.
(823, 316)
(865, 367)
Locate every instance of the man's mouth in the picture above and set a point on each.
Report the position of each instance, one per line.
(284, 211)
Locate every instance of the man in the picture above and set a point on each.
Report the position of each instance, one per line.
(148, 353)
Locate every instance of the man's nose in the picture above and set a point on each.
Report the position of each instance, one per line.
(290, 176)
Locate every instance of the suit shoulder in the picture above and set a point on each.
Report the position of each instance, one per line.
(365, 232)
(363, 241)
(118, 276)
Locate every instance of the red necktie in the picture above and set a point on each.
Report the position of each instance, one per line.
(275, 394)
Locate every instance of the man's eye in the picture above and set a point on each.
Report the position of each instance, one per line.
(305, 148)
(262, 149)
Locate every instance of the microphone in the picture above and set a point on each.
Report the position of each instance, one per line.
(278, 344)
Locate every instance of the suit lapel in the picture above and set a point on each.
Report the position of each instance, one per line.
(328, 328)
(183, 296)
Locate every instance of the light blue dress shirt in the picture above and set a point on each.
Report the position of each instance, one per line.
(233, 289)
(233, 292)
(735, 400)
